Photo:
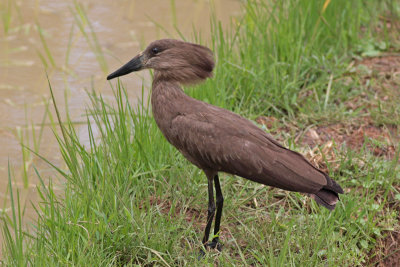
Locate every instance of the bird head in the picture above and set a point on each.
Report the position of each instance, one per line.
(172, 60)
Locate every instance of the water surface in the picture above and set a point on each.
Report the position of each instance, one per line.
(39, 36)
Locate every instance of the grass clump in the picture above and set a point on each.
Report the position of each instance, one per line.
(281, 49)
(131, 199)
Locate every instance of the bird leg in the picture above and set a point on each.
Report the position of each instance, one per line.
(210, 214)
(210, 211)
(220, 203)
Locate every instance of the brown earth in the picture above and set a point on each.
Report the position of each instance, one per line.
(387, 65)
(192, 215)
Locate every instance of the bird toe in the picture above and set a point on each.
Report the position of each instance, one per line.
(215, 244)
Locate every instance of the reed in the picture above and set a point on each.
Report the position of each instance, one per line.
(89, 34)
(46, 49)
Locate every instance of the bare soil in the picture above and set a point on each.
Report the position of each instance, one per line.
(381, 141)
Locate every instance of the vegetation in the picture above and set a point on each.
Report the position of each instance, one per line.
(131, 199)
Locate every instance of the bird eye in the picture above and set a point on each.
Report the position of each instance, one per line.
(155, 50)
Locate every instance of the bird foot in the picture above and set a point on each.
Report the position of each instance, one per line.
(210, 245)
(202, 253)
(214, 245)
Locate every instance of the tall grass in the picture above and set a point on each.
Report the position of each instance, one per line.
(13, 233)
(6, 15)
(131, 199)
(280, 49)
(83, 23)
(48, 53)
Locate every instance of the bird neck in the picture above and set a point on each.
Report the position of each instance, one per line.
(168, 101)
(165, 86)
(167, 95)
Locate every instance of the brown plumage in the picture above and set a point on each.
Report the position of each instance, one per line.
(215, 139)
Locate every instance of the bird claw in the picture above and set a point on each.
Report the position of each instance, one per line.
(212, 245)
(202, 253)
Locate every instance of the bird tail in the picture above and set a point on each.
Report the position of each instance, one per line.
(328, 196)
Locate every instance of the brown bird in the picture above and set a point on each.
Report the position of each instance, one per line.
(218, 140)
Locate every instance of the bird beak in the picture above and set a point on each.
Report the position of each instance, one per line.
(134, 64)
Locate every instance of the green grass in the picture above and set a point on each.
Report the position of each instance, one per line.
(83, 23)
(131, 199)
(46, 49)
(279, 50)
(6, 15)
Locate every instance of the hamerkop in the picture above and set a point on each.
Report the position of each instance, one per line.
(218, 140)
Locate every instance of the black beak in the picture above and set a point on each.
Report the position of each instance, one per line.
(134, 64)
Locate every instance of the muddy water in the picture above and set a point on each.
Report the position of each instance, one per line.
(44, 35)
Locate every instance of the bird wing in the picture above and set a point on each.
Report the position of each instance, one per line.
(217, 139)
